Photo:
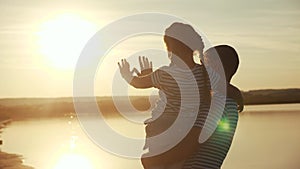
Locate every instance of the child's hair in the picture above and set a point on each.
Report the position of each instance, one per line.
(180, 35)
(230, 62)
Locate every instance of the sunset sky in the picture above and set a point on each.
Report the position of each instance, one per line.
(40, 41)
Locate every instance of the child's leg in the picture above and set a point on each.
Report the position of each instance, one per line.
(147, 166)
(177, 165)
(173, 166)
(158, 167)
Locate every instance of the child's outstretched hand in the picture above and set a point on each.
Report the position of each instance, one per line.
(142, 81)
(125, 70)
(146, 66)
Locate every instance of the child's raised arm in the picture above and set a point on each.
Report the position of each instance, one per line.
(141, 82)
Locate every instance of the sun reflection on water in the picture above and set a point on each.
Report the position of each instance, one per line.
(73, 161)
(70, 156)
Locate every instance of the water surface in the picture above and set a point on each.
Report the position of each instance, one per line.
(267, 137)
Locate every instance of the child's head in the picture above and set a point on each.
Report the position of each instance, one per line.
(182, 40)
(228, 57)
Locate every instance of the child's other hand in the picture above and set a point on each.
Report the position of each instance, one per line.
(146, 66)
(125, 70)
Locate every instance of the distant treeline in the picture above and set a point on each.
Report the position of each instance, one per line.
(61, 107)
(21, 108)
(272, 96)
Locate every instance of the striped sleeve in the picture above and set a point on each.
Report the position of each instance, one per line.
(156, 78)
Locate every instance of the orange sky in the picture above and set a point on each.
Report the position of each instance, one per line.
(41, 41)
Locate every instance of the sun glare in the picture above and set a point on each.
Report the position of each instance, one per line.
(61, 39)
(74, 161)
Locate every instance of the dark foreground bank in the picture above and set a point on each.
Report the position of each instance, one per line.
(7, 160)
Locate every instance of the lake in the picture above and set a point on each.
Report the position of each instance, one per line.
(267, 137)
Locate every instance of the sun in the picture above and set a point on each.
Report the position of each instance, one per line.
(62, 38)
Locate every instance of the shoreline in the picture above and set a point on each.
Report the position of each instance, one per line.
(9, 160)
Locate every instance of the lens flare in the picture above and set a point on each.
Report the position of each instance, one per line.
(224, 124)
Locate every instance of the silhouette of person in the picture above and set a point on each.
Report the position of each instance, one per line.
(212, 152)
(181, 41)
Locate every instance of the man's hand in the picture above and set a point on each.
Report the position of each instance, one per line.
(146, 66)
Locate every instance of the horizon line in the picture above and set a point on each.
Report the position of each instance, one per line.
(61, 97)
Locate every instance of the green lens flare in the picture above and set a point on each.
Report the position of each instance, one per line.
(224, 124)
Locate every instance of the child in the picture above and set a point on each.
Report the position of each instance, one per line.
(181, 77)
